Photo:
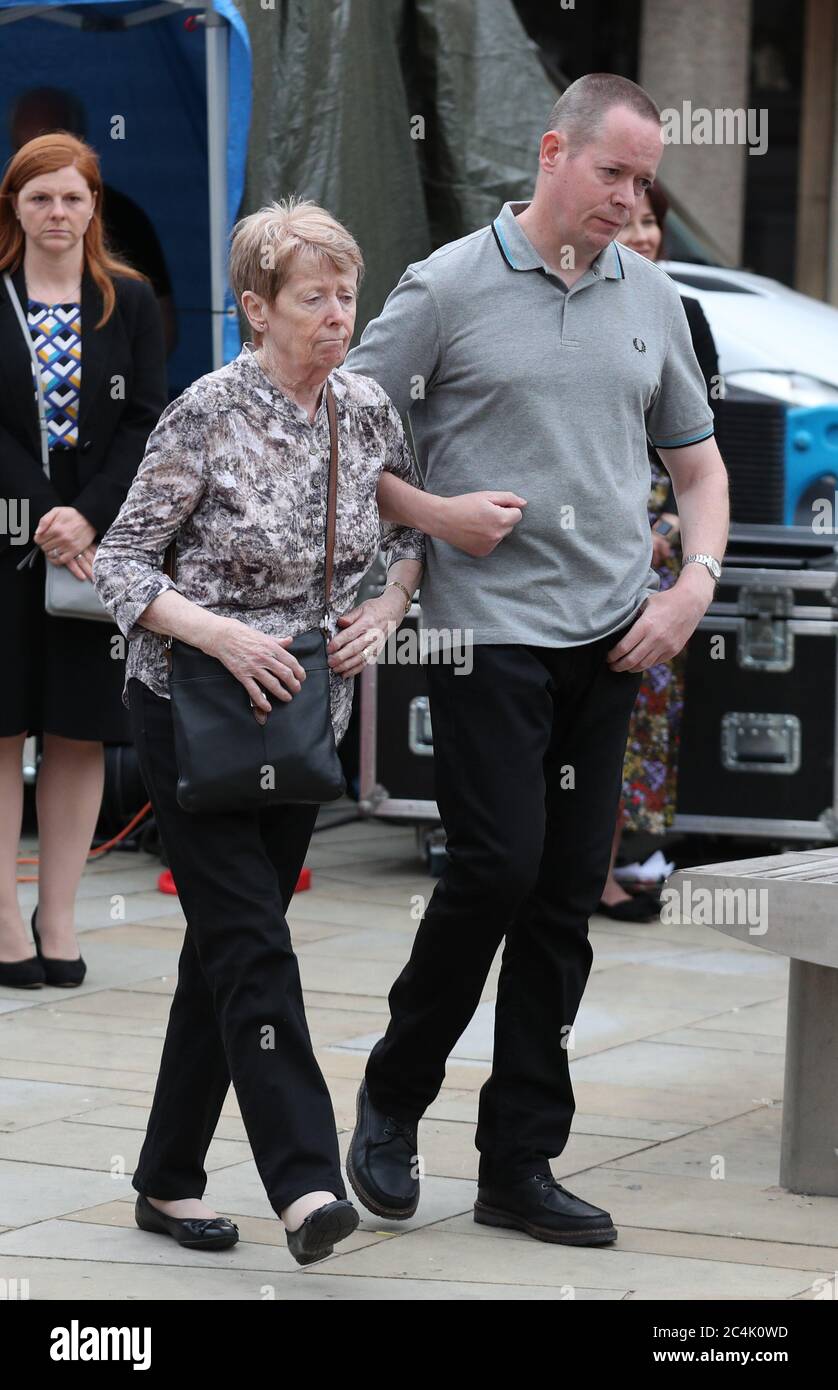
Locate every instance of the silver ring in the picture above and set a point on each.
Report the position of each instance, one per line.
(370, 655)
(55, 554)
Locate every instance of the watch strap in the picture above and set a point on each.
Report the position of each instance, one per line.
(708, 561)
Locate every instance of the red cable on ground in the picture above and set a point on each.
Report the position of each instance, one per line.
(93, 853)
(165, 882)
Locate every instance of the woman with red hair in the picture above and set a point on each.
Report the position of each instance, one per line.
(98, 340)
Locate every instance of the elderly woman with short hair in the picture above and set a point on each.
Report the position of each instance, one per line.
(237, 469)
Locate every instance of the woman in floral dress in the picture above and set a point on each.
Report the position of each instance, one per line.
(650, 769)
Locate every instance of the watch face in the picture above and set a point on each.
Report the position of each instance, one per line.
(714, 568)
(663, 528)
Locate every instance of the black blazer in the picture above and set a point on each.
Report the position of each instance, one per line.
(703, 345)
(705, 350)
(112, 431)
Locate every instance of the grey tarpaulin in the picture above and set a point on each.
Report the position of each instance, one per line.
(336, 87)
(488, 99)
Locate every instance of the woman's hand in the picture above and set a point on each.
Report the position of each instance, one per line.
(256, 660)
(365, 631)
(66, 537)
(82, 565)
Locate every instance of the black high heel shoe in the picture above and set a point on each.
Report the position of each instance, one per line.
(65, 973)
(193, 1232)
(321, 1231)
(23, 974)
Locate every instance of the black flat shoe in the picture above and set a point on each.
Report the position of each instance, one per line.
(23, 974)
(321, 1231)
(545, 1210)
(194, 1232)
(652, 898)
(639, 909)
(381, 1162)
(64, 973)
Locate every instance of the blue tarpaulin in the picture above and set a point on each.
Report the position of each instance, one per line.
(148, 63)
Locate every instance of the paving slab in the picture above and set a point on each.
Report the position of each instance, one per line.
(88, 1077)
(677, 1070)
(664, 1201)
(88, 1280)
(26, 1103)
(32, 1191)
(237, 1190)
(699, 1036)
(91, 1144)
(514, 1257)
(744, 1150)
(650, 1063)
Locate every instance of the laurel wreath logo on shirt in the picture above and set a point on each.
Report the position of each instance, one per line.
(639, 344)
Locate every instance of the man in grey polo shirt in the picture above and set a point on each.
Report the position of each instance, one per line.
(533, 357)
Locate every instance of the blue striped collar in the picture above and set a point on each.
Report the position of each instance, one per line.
(520, 254)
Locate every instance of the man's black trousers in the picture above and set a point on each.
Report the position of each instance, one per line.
(528, 752)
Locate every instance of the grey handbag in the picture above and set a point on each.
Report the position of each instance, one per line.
(64, 595)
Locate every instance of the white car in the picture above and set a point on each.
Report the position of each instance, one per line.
(769, 338)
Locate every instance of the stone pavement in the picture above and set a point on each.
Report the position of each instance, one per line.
(677, 1070)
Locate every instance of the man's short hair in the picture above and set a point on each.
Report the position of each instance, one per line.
(580, 110)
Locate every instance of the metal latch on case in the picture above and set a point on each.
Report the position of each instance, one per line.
(760, 742)
(766, 639)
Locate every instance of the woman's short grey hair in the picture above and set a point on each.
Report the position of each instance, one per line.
(267, 245)
(580, 110)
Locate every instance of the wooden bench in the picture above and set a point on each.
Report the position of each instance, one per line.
(786, 903)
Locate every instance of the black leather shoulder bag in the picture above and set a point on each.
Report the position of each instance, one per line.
(227, 760)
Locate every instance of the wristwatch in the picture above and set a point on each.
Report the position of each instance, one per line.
(709, 561)
(665, 528)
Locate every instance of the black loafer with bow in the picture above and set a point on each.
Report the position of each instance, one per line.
(382, 1159)
(195, 1232)
(544, 1209)
(321, 1230)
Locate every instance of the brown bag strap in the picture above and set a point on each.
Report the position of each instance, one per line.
(170, 568)
(170, 557)
(331, 506)
(170, 560)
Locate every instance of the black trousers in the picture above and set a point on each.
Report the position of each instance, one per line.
(528, 752)
(237, 1012)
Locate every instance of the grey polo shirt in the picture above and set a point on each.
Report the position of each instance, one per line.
(512, 381)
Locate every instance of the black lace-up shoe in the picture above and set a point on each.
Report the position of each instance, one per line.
(544, 1209)
(382, 1161)
(194, 1233)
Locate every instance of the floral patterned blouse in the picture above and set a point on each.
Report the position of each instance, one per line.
(237, 471)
